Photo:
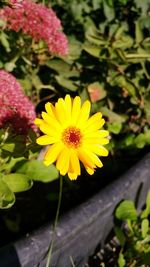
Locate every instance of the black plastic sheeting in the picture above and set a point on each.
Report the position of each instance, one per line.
(82, 229)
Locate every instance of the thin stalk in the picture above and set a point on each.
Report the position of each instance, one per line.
(55, 224)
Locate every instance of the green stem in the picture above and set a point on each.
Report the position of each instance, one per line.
(55, 224)
(137, 56)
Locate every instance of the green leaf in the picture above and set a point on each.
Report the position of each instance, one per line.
(92, 50)
(138, 32)
(7, 197)
(66, 83)
(120, 235)
(144, 227)
(62, 68)
(9, 147)
(108, 10)
(123, 42)
(142, 139)
(4, 41)
(122, 82)
(14, 145)
(112, 116)
(126, 211)
(17, 182)
(121, 260)
(146, 211)
(147, 106)
(37, 171)
(74, 50)
(115, 127)
(9, 66)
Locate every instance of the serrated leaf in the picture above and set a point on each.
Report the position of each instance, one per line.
(17, 182)
(144, 227)
(126, 211)
(37, 171)
(7, 197)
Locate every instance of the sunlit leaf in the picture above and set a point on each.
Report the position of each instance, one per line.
(7, 197)
(144, 227)
(146, 211)
(17, 182)
(126, 211)
(121, 260)
(37, 171)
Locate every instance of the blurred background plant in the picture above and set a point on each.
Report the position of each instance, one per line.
(106, 59)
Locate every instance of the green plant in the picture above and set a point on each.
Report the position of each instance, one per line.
(133, 234)
(19, 166)
(109, 63)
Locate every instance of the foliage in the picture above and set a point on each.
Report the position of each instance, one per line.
(20, 166)
(108, 62)
(134, 234)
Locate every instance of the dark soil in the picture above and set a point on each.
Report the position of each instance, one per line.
(106, 257)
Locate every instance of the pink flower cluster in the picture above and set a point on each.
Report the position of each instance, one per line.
(17, 110)
(38, 21)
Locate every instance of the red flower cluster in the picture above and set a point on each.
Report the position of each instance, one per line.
(38, 21)
(16, 109)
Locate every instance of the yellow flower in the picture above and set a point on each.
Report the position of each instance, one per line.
(72, 136)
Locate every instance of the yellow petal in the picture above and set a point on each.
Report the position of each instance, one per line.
(68, 104)
(84, 114)
(46, 140)
(76, 107)
(52, 153)
(62, 113)
(96, 160)
(52, 122)
(74, 163)
(97, 149)
(91, 127)
(38, 122)
(85, 158)
(63, 161)
(90, 171)
(96, 140)
(50, 109)
(96, 134)
(72, 175)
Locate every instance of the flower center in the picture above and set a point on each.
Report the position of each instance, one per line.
(72, 137)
